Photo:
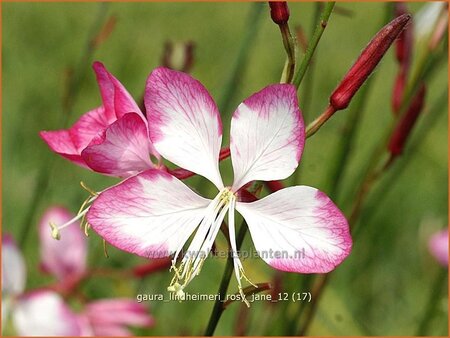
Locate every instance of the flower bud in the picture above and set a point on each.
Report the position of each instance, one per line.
(403, 45)
(178, 55)
(405, 125)
(398, 91)
(366, 62)
(279, 12)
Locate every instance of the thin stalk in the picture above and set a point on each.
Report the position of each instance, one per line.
(307, 93)
(347, 139)
(72, 89)
(232, 83)
(435, 296)
(312, 45)
(218, 305)
(289, 46)
(315, 125)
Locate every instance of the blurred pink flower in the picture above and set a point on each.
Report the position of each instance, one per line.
(64, 258)
(111, 317)
(438, 246)
(45, 313)
(153, 213)
(111, 139)
(13, 275)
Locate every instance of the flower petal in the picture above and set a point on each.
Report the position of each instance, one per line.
(13, 267)
(118, 311)
(184, 122)
(88, 127)
(438, 246)
(116, 99)
(66, 257)
(298, 229)
(61, 143)
(151, 214)
(267, 135)
(69, 143)
(122, 150)
(44, 313)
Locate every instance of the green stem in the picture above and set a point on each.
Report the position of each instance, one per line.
(232, 83)
(289, 46)
(218, 307)
(435, 296)
(347, 139)
(307, 93)
(312, 45)
(47, 165)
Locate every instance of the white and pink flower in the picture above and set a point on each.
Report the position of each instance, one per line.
(153, 214)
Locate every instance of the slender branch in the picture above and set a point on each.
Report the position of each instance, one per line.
(328, 8)
(307, 92)
(436, 294)
(218, 305)
(289, 46)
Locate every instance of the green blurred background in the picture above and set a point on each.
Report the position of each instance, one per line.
(381, 289)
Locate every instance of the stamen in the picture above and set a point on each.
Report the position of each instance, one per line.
(56, 230)
(89, 190)
(105, 249)
(201, 244)
(238, 268)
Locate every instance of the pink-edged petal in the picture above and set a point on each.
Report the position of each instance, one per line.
(88, 127)
(116, 99)
(119, 311)
(69, 143)
(184, 122)
(151, 214)
(123, 149)
(44, 313)
(267, 135)
(13, 267)
(67, 257)
(61, 143)
(438, 246)
(298, 229)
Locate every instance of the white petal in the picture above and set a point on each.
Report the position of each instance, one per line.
(44, 313)
(298, 229)
(151, 214)
(184, 122)
(13, 267)
(267, 136)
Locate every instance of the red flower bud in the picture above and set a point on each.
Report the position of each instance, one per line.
(405, 125)
(397, 92)
(403, 45)
(279, 12)
(366, 62)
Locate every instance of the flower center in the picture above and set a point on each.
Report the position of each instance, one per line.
(201, 245)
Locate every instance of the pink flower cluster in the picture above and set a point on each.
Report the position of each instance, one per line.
(44, 311)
